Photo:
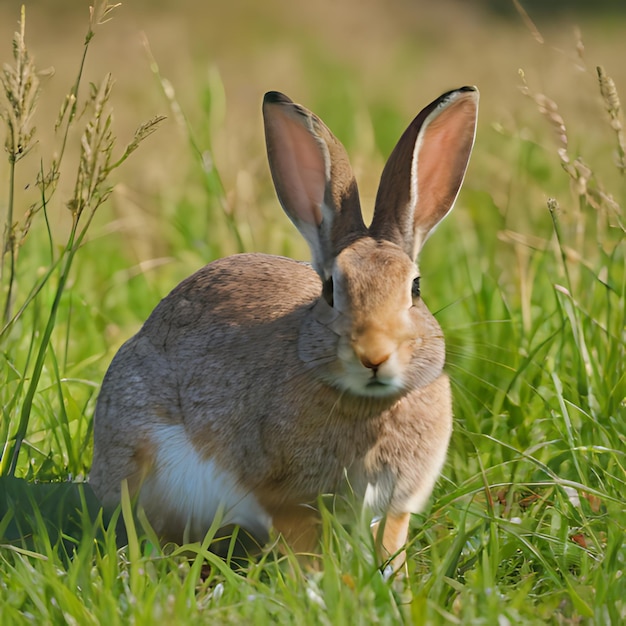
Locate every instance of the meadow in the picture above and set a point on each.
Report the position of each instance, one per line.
(106, 206)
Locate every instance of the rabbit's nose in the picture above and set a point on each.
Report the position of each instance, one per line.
(373, 348)
(373, 356)
(370, 364)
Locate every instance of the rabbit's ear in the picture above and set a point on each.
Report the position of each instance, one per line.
(313, 179)
(424, 173)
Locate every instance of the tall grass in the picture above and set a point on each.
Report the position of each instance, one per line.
(526, 524)
(92, 188)
(539, 463)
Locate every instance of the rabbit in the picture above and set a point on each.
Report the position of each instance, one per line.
(260, 382)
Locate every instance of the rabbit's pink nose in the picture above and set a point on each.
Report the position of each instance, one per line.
(373, 349)
(371, 362)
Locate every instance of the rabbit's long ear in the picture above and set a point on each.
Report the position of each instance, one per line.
(313, 179)
(423, 175)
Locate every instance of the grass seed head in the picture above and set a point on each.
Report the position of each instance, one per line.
(96, 146)
(609, 94)
(20, 90)
(550, 110)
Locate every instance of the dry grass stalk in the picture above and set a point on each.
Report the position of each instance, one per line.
(95, 154)
(609, 94)
(100, 11)
(92, 188)
(585, 184)
(550, 110)
(20, 89)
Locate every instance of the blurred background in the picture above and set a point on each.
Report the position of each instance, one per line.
(365, 66)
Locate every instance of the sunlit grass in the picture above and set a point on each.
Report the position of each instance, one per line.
(528, 279)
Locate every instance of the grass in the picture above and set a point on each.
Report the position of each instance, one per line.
(528, 279)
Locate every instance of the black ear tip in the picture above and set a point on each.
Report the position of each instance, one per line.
(467, 91)
(275, 97)
(455, 92)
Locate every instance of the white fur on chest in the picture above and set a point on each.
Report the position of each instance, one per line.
(188, 491)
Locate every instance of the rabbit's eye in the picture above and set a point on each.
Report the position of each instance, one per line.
(415, 288)
(327, 290)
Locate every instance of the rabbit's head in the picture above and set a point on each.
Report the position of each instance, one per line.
(370, 333)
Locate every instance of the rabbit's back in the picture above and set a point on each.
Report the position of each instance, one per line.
(243, 292)
(209, 340)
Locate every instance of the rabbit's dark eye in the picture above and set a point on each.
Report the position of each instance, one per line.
(327, 290)
(415, 288)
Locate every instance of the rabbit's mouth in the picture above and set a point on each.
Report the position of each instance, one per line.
(375, 383)
(379, 387)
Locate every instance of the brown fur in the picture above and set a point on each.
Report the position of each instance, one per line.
(271, 382)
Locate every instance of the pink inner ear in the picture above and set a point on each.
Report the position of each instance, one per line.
(298, 167)
(442, 160)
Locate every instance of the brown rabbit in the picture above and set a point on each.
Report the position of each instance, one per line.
(261, 382)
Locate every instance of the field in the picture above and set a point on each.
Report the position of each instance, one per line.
(103, 216)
